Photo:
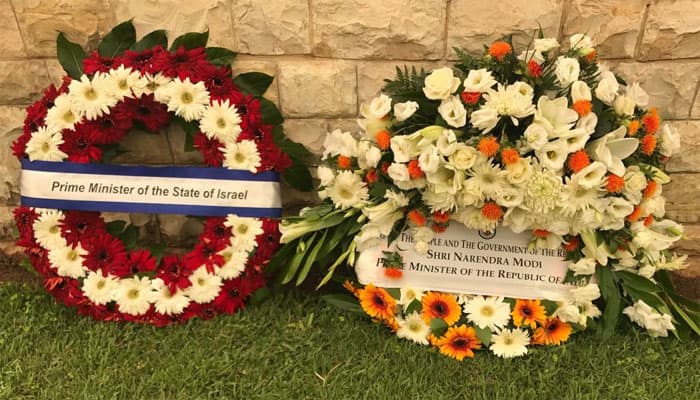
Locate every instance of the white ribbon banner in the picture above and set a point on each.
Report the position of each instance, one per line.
(166, 190)
(462, 260)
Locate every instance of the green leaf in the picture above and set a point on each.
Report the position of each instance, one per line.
(414, 306)
(637, 282)
(114, 228)
(157, 250)
(550, 306)
(220, 56)
(153, 39)
(438, 326)
(260, 295)
(689, 322)
(120, 38)
(344, 302)
(270, 114)
(129, 237)
(255, 83)
(613, 300)
(311, 259)
(394, 292)
(484, 334)
(70, 55)
(191, 128)
(293, 266)
(298, 177)
(191, 40)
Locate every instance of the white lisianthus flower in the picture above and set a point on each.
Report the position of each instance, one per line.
(429, 160)
(408, 294)
(413, 328)
(555, 116)
(584, 266)
(205, 286)
(567, 70)
(588, 123)
(582, 43)
(221, 121)
(487, 312)
(612, 148)
(403, 148)
(624, 106)
(44, 145)
(484, 119)
(567, 312)
(545, 44)
(370, 127)
(47, 229)
(635, 182)
(580, 91)
(378, 108)
(591, 176)
(241, 155)
(188, 100)
(453, 112)
(134, 295)
(63, 115)
(325, 174)
(68, 261)
(638, 95)
(509, 343)
(447, 142)
(463, 157)
(398, 172)
(536, 136)
(368, 155)
(576, 139)
(509, 197)
(166, 302)
(234, 262)
(339, 143)
(642, 314)
(440, 84)
(518, 219)
(404, 111)
(348, 190)
(99, 288)
(553, 154)
(92, 98)
(607, 88)
(669, 140)
(618, 208)
(479, 81)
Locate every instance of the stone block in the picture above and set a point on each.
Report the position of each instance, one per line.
(613, 25)
(11, 121)
(371, 75)
(13, 46)
(7, 223)
(691, 243)
(672, 30)
(145, 148)
(83, 21)
(688, 158)
(682, 202)
(22, 82)
(317, 89)
(243, 64)
(308, 132)
(671, 85)
(278, 27)
(687, 281)
(390, 29)
(176, 141)
(178, 17)
(473, 24)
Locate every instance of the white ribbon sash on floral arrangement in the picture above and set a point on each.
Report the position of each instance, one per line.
(462, 260)
(166, 190)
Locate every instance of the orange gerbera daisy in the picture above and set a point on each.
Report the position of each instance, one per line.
(509, 156)
(488, 146)
(440, 305)
(499, 50)
(528, 312)
(377, 302)
(552, 332)
(344, 162)
(458, 342)
(383, 139)
(615, 183)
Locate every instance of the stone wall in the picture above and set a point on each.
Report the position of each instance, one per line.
(328, 56)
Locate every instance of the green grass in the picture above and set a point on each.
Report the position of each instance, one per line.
(294, 346)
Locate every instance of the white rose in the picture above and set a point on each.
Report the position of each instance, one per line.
(369, 158)
(378, 108)
(404, 111)
(624, 106)
(639, 95)
(440, 84)
(567, 70)
(519, 172)
(635, 182)
(325, 174)
(536, 136)
(463, 157)
(584, 266)
(670, 140)
(582, 43)
(484, 119)
(429, 160)
(607, 87)
(447, 142)
(453, 112)
(545, 44)
(398, 172)
(478, 81)
(580, 91)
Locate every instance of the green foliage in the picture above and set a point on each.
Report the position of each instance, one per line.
(613, 301)
(438, 326)
(407, 82)
(191, 40)
(220, 56)
(255, 83)
(153, 39)
(120, 38)
(70, 55)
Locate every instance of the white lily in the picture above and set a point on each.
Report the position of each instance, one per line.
(612, 148)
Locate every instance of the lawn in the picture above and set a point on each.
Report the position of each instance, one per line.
(295, 346)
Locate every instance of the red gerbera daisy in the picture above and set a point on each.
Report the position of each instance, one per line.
(182, 63)
(110, 128)
(140, 60)
(81, 144)
(175, 273)
(220, 85)
(152, 114)
(24, 218)
(137, 261)
(96, 63)
(210, 149)
(268, 241)
(81, 225)
(206, 254)
(104, 252)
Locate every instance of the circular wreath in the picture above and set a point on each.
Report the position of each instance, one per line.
(97, 266)
(540, 142)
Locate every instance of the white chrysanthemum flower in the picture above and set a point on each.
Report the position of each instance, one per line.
(188, 100)
(205, 286)
(47, 229)
(43, 145)
(166, 302)
(99, 288)
(413, 328)
(92, 98)
(514, 101)
(63, 115)
(488, 312)
(234, 262)
(440, 201)
(408, 294)
(510, 343)
(242, 155)
(244, 231)
(68, 261)
(479, 81)
(124, 82)
(156, 85)
(348, 190)
(487, 178)
(221, 121)
(134, 295)
(542, 191)
(577, 197)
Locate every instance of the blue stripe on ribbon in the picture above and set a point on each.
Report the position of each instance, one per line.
(160, 172)
(150, 208)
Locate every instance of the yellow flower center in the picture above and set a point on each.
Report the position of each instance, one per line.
(123, 85)
(239, 157)
(90, 94)
(242, 229)
(221, 123)
(132, 294)
(201, 281)
(72, 255)
(69, 117)
(487, 311)
(186, 98)
(101, 284)
(54, 229)
(45, 147)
